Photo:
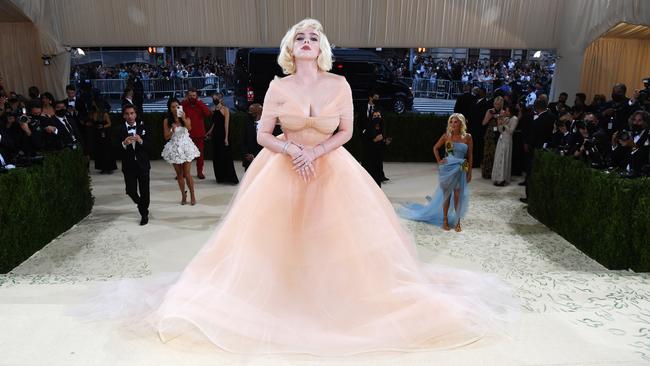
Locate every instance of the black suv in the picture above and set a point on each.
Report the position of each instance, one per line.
(364, 70)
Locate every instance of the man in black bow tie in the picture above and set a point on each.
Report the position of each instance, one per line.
(135, 160)
(67, 127)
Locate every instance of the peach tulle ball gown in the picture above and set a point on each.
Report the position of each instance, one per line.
(321, 267)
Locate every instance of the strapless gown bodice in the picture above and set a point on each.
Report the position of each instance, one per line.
(308, 131)
(459, 150)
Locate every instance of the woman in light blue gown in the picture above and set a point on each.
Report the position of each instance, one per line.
(454, 174)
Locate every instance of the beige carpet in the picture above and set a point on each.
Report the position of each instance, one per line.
(574, 311)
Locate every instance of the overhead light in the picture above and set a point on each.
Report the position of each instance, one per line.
(77, 53)
(537, 54)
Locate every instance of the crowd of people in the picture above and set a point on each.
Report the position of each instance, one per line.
(508, 71)
(30, 126)
(609, 134)
(203, 67)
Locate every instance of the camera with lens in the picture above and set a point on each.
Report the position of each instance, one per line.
(24, 119)
(623, 135)
(592, 153)
(643, 95)
(564, 149)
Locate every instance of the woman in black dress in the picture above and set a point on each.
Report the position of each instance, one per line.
(100, 121)
(224, 169)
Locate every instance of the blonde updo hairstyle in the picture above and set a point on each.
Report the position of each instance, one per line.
(285, 59)
(463, 124)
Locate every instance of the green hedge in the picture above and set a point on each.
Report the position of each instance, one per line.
(603, 215)
(39, 203)
(413, 135)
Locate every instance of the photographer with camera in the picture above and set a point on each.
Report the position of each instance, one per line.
(31, 122)
(7, 144)
(562, 138)
(640, 100)
(617, 111)
(55, 135)
(594, 146)
(630, 149)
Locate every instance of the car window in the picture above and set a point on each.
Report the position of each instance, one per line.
(357, 68)
(382, 72)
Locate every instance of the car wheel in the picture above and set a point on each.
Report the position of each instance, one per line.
(399, 105)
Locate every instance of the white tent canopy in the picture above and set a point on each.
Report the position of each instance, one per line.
(568, 26)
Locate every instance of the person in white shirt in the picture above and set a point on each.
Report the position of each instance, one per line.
(531, 97)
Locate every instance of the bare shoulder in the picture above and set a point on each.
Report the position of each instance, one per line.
(279, 81)
(333, 77)
(339, 79)
(468, 137)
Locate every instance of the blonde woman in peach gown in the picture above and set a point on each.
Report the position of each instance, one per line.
(310, 257)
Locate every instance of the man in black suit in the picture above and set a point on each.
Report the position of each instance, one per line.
(135, 144)
(370, 109)
(559, 106)
(617, 111)
(465, 101)
(67, 129)
(374, 144)
(561, 139)
(6, 147)
(639, 123)
(250, 147)
(476, 128)
(539, 135)
(630, 151)
(33, 136)
(627, 156)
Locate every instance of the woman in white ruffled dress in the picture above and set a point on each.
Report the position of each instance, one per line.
(180, 150)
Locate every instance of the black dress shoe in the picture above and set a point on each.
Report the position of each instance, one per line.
(522, 183)
(524, 200)
(144, 220)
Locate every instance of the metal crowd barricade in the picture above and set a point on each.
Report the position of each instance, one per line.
(154, 88)
(443, 89)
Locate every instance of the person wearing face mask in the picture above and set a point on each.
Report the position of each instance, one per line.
(48, 129)
(593, 140)
(373, 99)
(197, 111)
(67, 127)
(630, 151)
(99, 133)
(639, 154)
(639, 122)
(250, 147)
(491, 136)
(373, 145)
(617, 111)
(224, 169)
